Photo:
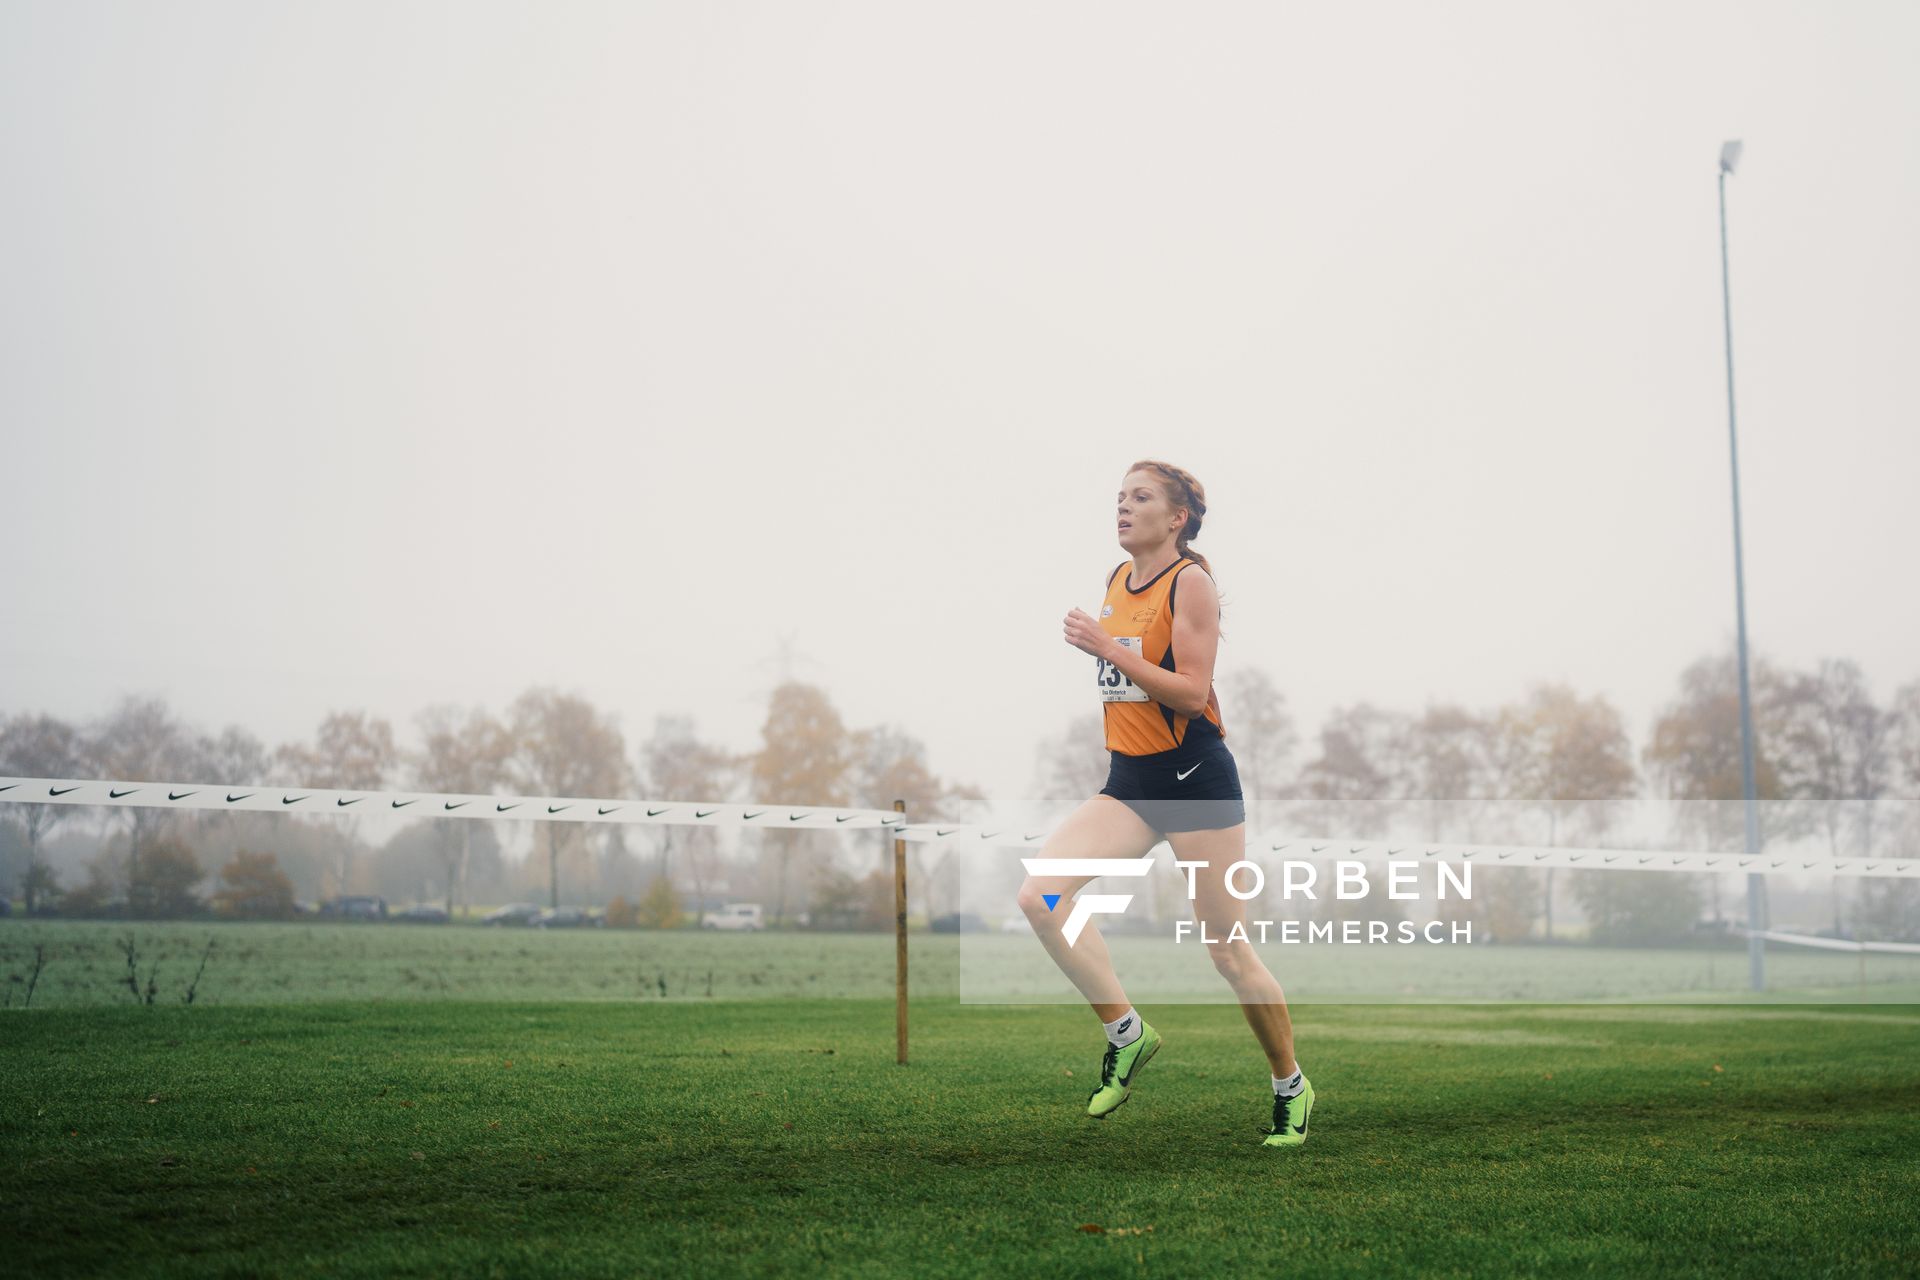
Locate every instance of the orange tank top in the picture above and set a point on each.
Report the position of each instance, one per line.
(1142, 619)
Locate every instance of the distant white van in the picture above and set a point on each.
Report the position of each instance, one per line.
(735, 915)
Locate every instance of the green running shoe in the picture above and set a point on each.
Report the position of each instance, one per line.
(1118, 1069)
(1290, 1117)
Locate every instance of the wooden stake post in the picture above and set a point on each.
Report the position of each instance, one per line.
(900, 941)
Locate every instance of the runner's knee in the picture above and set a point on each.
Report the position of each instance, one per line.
(1033, 902)
(1234, 961)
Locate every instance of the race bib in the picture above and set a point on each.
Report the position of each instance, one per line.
(1113, 682)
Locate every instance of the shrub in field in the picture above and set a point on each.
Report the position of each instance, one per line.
(162, 881)
(660, 908)
(253, 887)
(99, 896)
(620, 914)
(842, 902)
(1638, 908)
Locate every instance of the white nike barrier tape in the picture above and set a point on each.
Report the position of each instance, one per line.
(1832, 944)
(276, 799)
(1320, 848)
(431, 804)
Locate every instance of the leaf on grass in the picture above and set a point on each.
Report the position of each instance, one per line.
(403, 1102)
(509, 1061)
(1093, 1228)
(1130, 1231)
(1718, 1067)
(419, 1155)
(1069, 1071)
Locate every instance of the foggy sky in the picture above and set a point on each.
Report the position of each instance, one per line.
(380, 355)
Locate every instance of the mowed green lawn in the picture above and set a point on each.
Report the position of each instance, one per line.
(769, 1137)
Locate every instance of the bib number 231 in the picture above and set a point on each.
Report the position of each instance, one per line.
(1113, 682)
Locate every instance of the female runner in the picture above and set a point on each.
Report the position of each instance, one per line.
(1171, 775)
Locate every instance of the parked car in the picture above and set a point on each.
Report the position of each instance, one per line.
(748, 916)
(354, 907)
(567, 918)
(958, 922)
(517, 913)
(423, 914)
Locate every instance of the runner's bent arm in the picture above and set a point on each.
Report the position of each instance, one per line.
(1196, 643)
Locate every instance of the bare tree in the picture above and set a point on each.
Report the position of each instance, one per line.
(674, 764)
(1360, 777)
(888, 765)
(141, 740)
(351, 751)
(1693, 754)
(1836, 757)
(805, 757)
(461, 753)
(39, 746)
(233, 756)
(1261, 731)
(1889, 909)
(1453, 768)
(563, 746)
(1072, 765)
(1574, 762)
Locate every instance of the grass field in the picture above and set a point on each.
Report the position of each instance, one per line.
(85, 964)
(616, 1136)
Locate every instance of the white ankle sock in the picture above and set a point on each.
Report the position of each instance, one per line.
(1125, 1029)
(1290, 1086)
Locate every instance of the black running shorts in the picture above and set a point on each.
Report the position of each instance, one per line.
(1194, 787)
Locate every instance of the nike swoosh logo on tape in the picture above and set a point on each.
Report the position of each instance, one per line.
(231, 798)
(605, 812)
(654, 813)
(344, 803)
(1190, 768)
(401, 804)
(115, 795)
(60, 791)
(451, 806)
(502, 808)
(556, 808)
(293, 800)
(182, 796)
(709, 813)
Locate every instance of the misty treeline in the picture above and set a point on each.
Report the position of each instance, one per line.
(1552, 767)
(149, 863)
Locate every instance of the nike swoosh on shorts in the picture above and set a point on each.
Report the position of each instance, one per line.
(1190, 768)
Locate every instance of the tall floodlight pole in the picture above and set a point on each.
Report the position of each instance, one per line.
(1756, 885)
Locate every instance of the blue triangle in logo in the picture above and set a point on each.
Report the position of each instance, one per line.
(1051, 899)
